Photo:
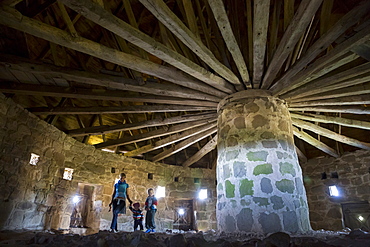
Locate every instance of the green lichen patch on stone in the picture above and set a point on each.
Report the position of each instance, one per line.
(261, 201)
(230, 189)
(257, 156)
(287, 168)
(262, 169)
(285, 185)
(246, 188)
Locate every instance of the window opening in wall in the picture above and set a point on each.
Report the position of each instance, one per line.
(333, 190)
(113, 170)
(196, 180)
(202, 194)
(176, 179)
(323, 175)
(334, 175)
(161, 192)
(34, 159)
(68, 172)
(150, 176)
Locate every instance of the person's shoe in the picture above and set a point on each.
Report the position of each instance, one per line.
(153, 230)
(147, 231)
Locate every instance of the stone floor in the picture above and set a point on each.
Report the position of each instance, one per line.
(356, 238)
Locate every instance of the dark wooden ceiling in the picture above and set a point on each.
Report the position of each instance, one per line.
(143, 78)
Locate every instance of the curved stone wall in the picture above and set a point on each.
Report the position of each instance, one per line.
(260, 186)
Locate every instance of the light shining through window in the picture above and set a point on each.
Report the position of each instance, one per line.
(360, 218)
(76, 199)
(181, 211)
(202, 194)
(161, 192)
(333, 190)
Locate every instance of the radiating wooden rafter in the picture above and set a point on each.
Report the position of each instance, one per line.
(181, 61)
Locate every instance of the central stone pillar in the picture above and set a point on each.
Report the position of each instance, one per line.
(260, 187)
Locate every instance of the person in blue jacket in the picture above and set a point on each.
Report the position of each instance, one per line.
(151, 208)
(120, 193)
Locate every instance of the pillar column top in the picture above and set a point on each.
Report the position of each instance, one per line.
(250, 93)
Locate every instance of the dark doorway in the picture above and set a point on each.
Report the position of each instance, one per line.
(356, 215)
(184, 215)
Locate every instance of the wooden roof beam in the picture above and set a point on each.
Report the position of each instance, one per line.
(12, 18)
(287, 82)
(335, 120)
(317, 85)
(260, 28)
(342, 92)
(114, 109)
(212, 144)
(223, 23)
(334, 109)
(161, 11)
(96, 94)
(292, 34)
(98, 130)
(170, 140)
(330, 134)
(99, 15)
(184, 144)
(314, 142)
(344, 101)
(154, 134)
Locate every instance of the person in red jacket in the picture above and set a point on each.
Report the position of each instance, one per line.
(151, 208)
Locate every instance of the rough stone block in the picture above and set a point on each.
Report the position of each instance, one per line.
(263, 169)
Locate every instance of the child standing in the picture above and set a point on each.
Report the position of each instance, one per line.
(138, 216)
(151, 208)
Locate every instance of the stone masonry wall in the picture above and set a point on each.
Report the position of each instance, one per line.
(37, 196)
(353, 183)
(260, 185)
